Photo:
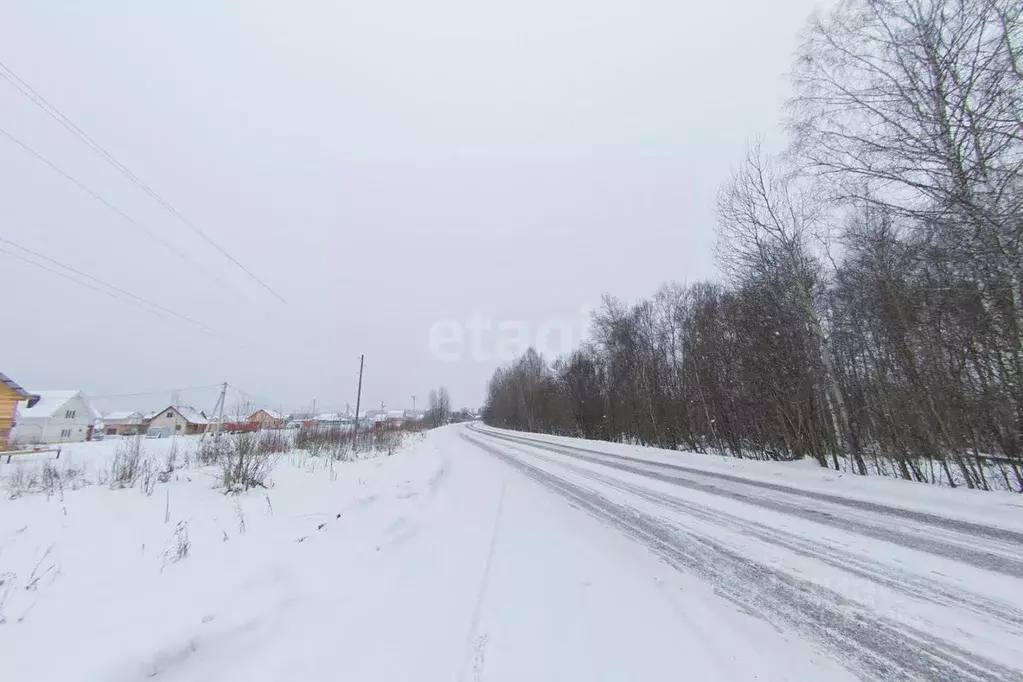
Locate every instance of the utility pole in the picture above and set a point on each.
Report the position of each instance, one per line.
(413, 406)
(218, 410)
(314, 408)
(358, 396)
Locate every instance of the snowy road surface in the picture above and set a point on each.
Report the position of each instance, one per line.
(484, 555)
(888, 592)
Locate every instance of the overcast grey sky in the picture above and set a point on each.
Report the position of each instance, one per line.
(382, 165)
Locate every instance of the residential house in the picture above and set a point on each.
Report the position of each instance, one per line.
(56, 417)
(124, 423)
(10, 395)
(267, 419)
(395, 418)
(177, 421)
(373, 416)
(330, 420)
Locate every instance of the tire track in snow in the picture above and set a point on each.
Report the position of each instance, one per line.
(477, 652)
(948, 548)
(959, 525)
(873, 646)
(899, 581)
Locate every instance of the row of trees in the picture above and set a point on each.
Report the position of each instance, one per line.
(871, 315)
(439, 410)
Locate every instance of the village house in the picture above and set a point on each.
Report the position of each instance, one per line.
(124, 423)
(177, 421)
(10, 395)
(330, 420)
(395, 418)
(267, 419)
(56, 417)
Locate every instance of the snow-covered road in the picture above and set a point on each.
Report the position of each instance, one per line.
(888, 592)
(485, 555)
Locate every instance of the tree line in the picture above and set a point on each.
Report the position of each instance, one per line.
(869, 315)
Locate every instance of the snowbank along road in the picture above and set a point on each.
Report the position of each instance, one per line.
(886, 591)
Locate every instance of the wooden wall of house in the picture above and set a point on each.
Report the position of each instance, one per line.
(8, 403)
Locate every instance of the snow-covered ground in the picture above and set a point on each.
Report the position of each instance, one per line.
(475, 554)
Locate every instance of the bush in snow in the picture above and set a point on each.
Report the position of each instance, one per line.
(128, 464)
(213, 450)
(343, 444)
(388, 442)
(274, 440)
(180, 546)
(22, 480)
(248, 463)
(48, 478)
(170, 463)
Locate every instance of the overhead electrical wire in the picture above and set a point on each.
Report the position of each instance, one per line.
(55, 113)
(157, 392)
(111, 290)
(258, 399)
(152, 235)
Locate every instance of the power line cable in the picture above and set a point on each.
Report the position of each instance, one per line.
(255, 398)
(125, 296)
(152, 235)
(157, 392)
(55, 113)
(116, 293)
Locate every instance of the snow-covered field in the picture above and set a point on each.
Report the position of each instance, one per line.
(476, 554)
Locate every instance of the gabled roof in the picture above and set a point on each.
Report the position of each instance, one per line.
(51, 403)
(331, 417)
(189, 414)
(270, 413)
(21, 393)
(122, 416)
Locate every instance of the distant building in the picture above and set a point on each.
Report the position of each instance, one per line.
(330, 420)
(10, 395)
(395, 418)
(177, 421)
(267, 419)
(56, 417)
(124, 423)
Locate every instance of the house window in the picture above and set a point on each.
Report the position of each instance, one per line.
(177, 427)
(69, 414)
(170, 414)
(65, 433)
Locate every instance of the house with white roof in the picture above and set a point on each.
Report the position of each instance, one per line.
(330, 420)
(267, 419)
(177, 420)
(57, 417)
(123, 423)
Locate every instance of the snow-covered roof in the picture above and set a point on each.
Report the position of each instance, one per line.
(122, 416)
(270, 413)
(190, 414)
(51, 403)
(396, 414)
